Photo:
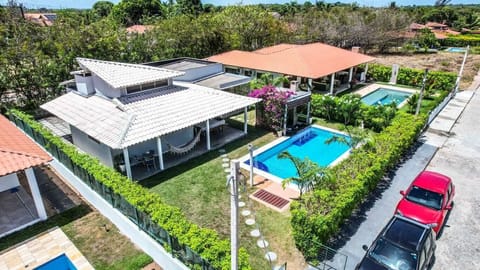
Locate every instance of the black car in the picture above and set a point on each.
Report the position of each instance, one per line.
(403, 244)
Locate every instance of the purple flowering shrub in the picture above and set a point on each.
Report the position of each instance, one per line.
(273, 105)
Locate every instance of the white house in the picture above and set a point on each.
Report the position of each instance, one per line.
(135, 118)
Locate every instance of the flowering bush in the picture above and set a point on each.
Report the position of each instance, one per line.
(273, 105)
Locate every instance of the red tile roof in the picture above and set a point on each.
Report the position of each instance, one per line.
(17, 151)
(313, 60)
(139, 29)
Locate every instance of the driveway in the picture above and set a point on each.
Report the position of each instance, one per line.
(459, 158)
(453, 151)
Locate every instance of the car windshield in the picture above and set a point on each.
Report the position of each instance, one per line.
(392, 256)
(425, 197)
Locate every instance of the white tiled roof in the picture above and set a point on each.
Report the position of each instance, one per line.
(120, 75)
(145, 115)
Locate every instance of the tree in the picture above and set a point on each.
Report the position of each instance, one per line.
(130, 12)
(354, 137)
(268, 79)
(349, 107)
(426, 39)
(441, 3)
(102, 8)
(189, 6)
(271, 111)
(309, 174)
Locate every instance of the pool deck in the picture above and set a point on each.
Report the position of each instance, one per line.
(276, 188)
(41, 249)
(372, 87)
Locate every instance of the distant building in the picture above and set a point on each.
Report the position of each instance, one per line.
(139, 29)
(42, 19)
(440, 30)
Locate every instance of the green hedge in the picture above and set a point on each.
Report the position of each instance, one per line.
(204, 242)
(436, 80)
(461, 41)
(320, 214)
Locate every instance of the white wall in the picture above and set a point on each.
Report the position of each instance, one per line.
(98, 150)
(9, 181)
(194, 74)
(127, 227)
(84, 84)
(105, 89)
(177, 138)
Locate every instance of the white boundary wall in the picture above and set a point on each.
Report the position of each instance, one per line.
(127, 227)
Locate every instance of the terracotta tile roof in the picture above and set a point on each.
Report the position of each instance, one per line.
(139, 29)
(416, 26)
(313, 60)
(435, 24)
(17, 151)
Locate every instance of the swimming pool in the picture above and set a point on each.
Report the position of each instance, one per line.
(456, 50)
(308, 143)
(385, 96)
(61, 262)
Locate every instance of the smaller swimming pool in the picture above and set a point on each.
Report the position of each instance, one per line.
(61, 262)
(456, 50)
(385, 96)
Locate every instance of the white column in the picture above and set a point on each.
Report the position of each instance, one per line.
(234, 168)
(308, 113)
(332, 82)
(245, 120)
(208, 134)
(37, 197)
(310, 85)
(295, 116)
(299, 79)
(285, 120)
(350, 74)
(366, 71)
(126, 159)
(160, 153)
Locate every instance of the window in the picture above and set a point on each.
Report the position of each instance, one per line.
(232, 70)
(93, 139)
(248, 72)
(134, 89)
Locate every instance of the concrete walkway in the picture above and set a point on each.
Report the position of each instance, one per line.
(368, 221)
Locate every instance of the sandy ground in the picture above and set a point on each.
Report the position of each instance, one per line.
(441, 61)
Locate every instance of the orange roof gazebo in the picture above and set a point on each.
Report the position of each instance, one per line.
(312, 60)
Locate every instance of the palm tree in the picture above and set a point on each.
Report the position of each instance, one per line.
(354, 138)
(310, 174)
(268, 79)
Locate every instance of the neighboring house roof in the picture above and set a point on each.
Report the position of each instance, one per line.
(416, 26)
(120, 75)
(17, 151)
(139, 29)
(43, 19)
(313, 60)
(435, 24)
(144, 115)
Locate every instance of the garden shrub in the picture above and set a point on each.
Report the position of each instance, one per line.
(349, 109)
(461, 40)
(205, 242)
(272, 108)
(436, 80)
(318, 217)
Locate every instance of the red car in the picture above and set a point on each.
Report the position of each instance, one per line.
(428, 199)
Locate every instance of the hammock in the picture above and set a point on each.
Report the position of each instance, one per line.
(186, 147)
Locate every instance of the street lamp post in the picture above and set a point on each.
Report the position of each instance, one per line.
(250, 150)
(233, 182)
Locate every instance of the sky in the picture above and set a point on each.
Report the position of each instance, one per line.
(55, 4)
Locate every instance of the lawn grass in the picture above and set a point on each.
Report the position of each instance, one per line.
(94, 235)
(198, 187)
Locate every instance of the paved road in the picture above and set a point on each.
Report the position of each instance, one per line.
(375, 213)
(459, 157)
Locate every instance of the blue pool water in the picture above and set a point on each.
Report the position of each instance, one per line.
(456, 49)
(308, 143)
(61, 262)
(385, 96)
